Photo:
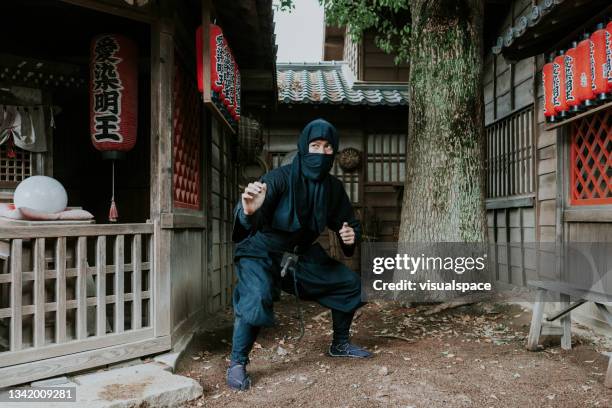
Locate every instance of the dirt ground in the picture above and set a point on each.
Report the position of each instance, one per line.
(472, 356)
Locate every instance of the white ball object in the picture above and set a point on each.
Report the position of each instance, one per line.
(41, 193)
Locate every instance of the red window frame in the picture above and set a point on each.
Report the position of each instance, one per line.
(591, 159)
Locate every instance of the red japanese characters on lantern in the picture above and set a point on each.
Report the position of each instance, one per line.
(558, 89)
(113, 91)
(571, 77)
(547, 81)
(584, 68)
(600, 40)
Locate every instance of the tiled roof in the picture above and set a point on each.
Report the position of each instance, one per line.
(333, 83)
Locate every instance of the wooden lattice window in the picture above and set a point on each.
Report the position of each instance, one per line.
(350, 181)
(386, 158)
(14, 170)
(591, 159)
(510, 155)
(186, 145)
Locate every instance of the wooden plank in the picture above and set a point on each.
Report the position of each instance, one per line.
(536, 321)
(74, 231)
(119, 286)
(551, 126)
(178, 220)
(587, 215)
(101, 286)
(60, 288)
(72, 272)
(18, 374)
(136, 282)
(527, 201)
(81, 288)
(16, 293)
(70, 304)
(566, 324)
(576, 292)
(74, 346)
(39, 292)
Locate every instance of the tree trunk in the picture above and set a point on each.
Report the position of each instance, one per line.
(444, 189)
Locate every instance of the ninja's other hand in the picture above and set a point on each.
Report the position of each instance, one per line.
(347, 234)
(253, 197)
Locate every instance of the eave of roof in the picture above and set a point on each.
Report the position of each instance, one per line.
(332, 83)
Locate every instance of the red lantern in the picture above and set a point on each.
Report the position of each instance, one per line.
(601, 40)
(609, 52)
(113, 89)
(571, 95)
(559, 82)
(547, 80)
(584, 65)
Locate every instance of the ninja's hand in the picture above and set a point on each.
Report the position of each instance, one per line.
(347, 234)
(253, 197)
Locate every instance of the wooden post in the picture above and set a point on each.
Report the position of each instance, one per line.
(536, 321)
(136, 282)
(162, 62)
(566, 324)
(81, 289)
(39, 292)
(119, 286)
(101, 286)
(60, 290)
(16, 275)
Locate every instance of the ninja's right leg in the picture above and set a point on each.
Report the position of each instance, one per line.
(242, 341)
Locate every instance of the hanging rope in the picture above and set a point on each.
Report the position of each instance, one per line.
(112, 213)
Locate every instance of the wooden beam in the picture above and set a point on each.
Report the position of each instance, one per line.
(18, 374)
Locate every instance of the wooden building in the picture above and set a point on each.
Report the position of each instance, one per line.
(74, 297)
(539, 190)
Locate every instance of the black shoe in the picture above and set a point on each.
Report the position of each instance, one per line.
(237, 377)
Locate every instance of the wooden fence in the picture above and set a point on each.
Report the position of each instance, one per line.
(85, 289)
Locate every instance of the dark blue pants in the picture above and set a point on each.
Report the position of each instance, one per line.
(328, 282)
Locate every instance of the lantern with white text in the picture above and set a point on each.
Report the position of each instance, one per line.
(113, 89)
(600, 39)
(558, 90)
(547, 81)
(584, 68)
(571, 77)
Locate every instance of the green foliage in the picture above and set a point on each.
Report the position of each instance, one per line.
(389, 20)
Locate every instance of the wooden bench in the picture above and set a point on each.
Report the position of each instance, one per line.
(566, 292)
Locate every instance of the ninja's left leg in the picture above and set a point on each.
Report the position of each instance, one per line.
(341, 347)
(341, 323)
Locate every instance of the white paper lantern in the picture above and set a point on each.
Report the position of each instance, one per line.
(41, 193)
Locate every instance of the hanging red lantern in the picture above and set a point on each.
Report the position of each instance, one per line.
(584, 65)
(113, 89)
(559, 83)
(600, 39)
(609, 52)
(547, 81)
(571, 95)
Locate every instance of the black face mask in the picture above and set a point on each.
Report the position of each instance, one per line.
(315, 166)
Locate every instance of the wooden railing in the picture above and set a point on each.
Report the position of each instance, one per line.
(68, 289)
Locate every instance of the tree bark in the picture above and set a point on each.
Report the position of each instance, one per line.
(445, 180)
